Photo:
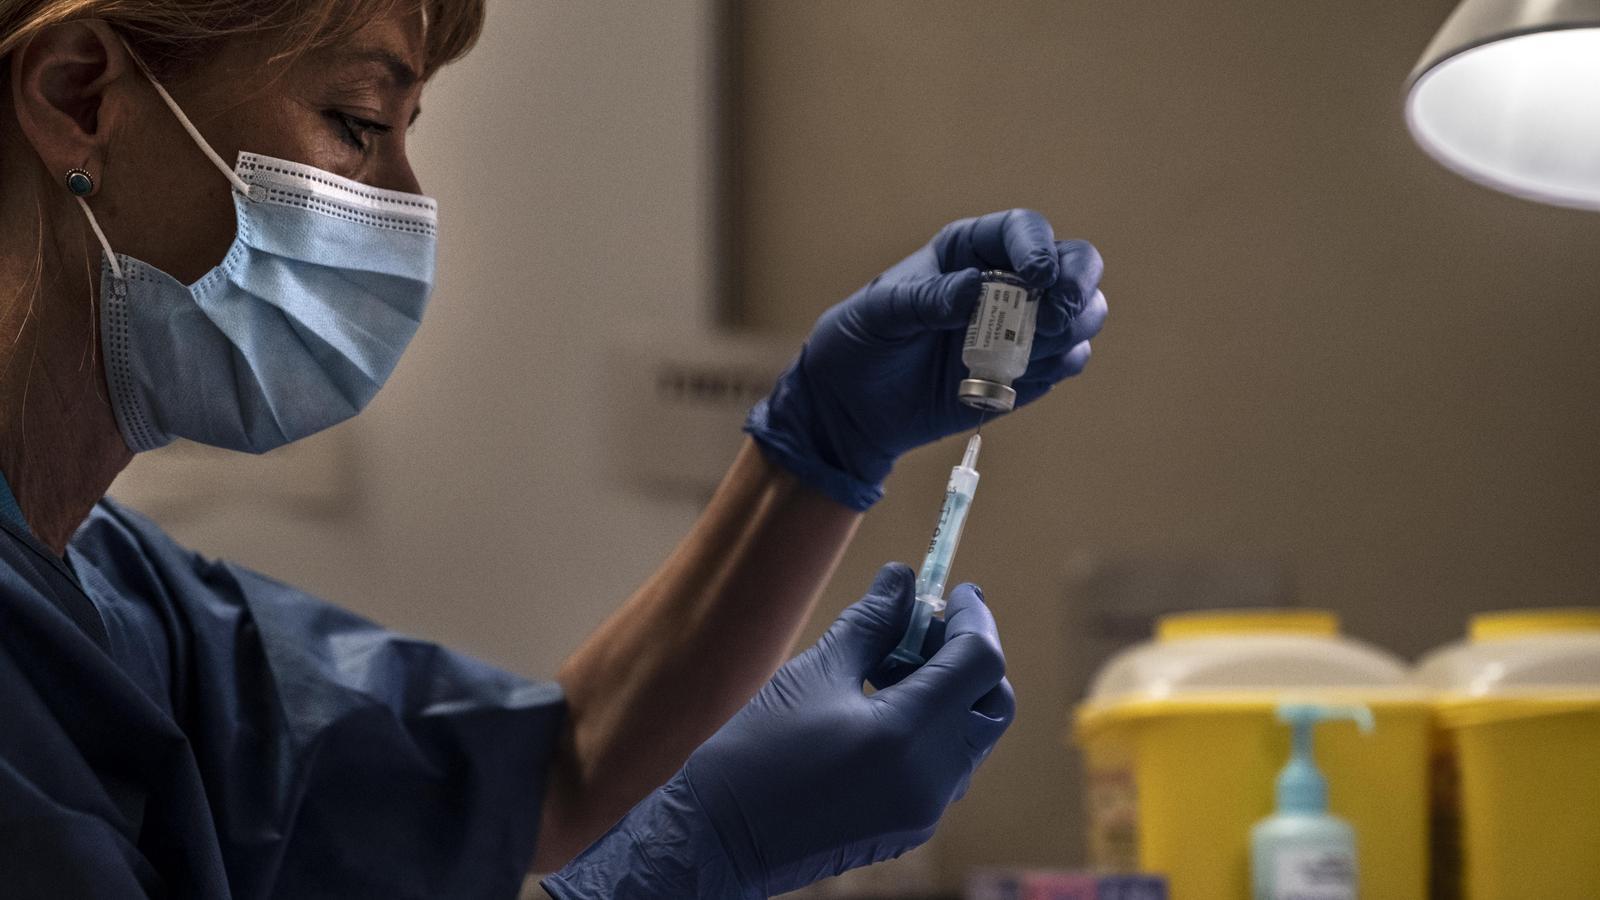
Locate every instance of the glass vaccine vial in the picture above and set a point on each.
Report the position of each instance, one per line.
(999, 339)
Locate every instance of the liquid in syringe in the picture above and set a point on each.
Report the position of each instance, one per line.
(941, 554)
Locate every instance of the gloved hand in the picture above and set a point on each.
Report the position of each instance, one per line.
(878, 375)
(814, 777)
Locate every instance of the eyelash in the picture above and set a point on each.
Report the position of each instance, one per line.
(354, 129)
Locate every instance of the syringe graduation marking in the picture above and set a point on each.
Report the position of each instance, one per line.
(941, 553)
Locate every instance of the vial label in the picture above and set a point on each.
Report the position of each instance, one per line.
(1002, 318)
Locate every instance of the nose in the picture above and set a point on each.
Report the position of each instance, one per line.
(394, 173)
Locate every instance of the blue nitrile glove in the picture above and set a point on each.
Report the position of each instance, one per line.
(813, 776)
(878, 376)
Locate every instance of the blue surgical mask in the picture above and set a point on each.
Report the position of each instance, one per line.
(294, 331)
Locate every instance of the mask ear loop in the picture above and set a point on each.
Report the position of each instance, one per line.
(239, 184)
(94, 225)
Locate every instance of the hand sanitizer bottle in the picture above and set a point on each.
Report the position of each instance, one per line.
(1301, 852)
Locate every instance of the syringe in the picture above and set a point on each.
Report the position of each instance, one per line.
(941, 553)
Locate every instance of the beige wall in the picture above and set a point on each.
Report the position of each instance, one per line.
(1323, 349)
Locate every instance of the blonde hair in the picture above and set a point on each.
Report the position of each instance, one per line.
(170, 35)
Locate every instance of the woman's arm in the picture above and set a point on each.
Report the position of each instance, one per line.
(689, 648)
(877, 377)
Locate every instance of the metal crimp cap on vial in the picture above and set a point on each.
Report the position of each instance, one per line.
(987, 395)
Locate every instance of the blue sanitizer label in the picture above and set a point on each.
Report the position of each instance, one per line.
(1315, 875)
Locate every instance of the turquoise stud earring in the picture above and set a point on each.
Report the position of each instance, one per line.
(79, 182)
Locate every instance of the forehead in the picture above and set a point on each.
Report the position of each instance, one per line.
(378, 56)
(388, 48)
(391, 46)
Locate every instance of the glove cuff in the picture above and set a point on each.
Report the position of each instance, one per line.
(784, 427)
(663, 848)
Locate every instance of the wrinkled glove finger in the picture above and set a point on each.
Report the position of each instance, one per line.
(895, 310)
(1073, 290)
(1053, 369)
(869, 629)
(1086, 325)
(1017, 240)
(893, 671)
(991, 716)
(967, 666)
(1044, 374)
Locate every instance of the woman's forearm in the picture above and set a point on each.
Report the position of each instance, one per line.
(689, 648)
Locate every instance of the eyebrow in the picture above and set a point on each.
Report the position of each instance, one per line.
(401, 75)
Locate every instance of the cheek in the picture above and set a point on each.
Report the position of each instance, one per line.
(295, 132)
(167, 205)
(197, 233)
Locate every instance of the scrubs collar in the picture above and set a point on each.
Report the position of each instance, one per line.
(8, 505)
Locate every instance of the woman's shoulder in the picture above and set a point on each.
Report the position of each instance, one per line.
(119, 553)
(113, 529)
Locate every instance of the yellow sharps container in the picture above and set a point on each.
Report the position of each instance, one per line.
(1182, 749)
(1518, 770)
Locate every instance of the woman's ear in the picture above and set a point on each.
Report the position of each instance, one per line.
(60, 83)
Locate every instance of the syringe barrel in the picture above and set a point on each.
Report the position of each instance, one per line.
(910, 649)
(941, 552)
(947, 536)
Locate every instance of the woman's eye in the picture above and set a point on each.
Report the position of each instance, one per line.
(354, 130)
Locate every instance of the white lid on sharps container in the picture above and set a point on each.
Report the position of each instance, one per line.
(1519, 652)
(1270, 649)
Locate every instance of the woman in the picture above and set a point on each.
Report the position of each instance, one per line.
(209, 230)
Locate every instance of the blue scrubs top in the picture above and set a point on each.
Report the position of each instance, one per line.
(177, 727)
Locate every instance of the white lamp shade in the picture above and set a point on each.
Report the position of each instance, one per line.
(1508, 95)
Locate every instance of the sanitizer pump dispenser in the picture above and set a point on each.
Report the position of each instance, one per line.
(1301, 852)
